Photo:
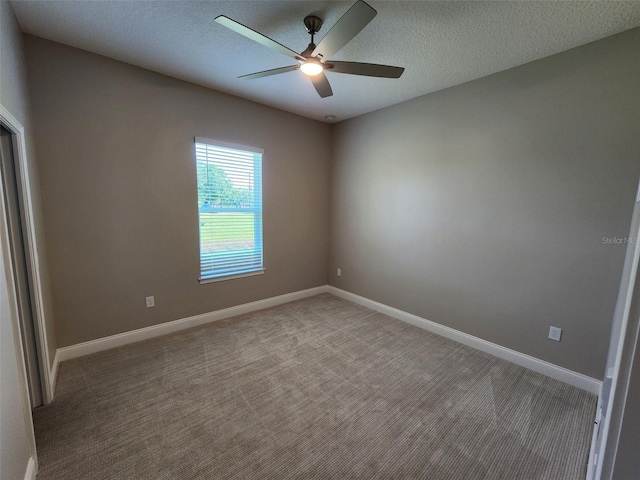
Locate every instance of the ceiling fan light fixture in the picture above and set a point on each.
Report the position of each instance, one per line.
(311, 62)
(311, 68)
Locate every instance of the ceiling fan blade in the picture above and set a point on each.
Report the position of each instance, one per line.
(268, 73)
(367, 69)
(257, 37)
(322, 85)
(349, 25)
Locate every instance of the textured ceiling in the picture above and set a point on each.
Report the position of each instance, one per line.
(440, 44)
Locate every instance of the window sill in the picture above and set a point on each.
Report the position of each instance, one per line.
(231, 277)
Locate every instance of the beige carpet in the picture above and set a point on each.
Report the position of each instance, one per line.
(319, 388)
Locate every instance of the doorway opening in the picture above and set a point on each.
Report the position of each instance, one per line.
(17, 214)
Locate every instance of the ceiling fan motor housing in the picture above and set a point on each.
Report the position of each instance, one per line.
(313, 24)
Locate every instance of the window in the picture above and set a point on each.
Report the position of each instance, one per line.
(229, 209)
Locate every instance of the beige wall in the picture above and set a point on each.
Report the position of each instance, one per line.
(14, 96)
(14, 433)
(483, 207)
(119, 192)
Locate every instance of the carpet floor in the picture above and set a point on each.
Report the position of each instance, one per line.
(318, 388)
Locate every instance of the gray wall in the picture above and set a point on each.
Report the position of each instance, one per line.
(119, 192)
(483, 207)
(14, 434)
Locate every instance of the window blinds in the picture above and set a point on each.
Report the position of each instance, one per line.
(229, 209)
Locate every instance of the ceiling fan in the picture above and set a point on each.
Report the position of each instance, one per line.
(314, 61)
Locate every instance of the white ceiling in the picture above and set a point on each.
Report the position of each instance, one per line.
(440, 44)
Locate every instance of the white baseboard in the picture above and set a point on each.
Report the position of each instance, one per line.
(30, 473)
(106, 343)
(554, 371)
(565, 375)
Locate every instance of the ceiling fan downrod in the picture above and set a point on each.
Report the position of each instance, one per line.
(313, 25)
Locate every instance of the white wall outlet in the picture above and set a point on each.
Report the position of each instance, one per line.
(151, 301)
(555, 333)
(339, 272)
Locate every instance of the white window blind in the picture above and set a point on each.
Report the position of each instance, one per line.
(229, 209)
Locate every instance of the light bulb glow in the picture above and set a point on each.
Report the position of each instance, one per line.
(311, 68)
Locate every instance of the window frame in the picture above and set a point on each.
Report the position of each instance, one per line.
(257, 192)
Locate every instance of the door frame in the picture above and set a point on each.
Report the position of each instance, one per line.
(603, 449)
(31, 247)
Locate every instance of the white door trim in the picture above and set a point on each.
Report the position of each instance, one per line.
(604, 446)
(15, 127)
(22, 173)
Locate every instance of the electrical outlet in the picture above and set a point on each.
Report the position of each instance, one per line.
(339, 272)
(555, 333)
(151, 301)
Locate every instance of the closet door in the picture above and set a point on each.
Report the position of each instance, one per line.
(12, 196)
